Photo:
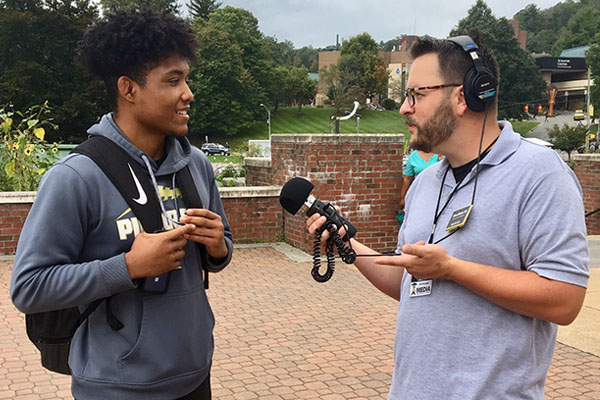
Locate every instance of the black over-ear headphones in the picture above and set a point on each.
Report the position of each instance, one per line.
(480, 85)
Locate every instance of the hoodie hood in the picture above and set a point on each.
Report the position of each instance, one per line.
(178, 149)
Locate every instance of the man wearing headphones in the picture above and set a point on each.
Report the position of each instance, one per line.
(493, 246)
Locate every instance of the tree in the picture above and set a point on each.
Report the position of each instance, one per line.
(360, 66)
(568, 138)
(391, 45)
(281, 53)
(309, 58)
(352, 94)
(592, 59)
(38, 41)
(278, 95)
(330, 77)
(241, 28)
(520, 79)
(580, 30)
(480, 15)
(544, 27)
(530, 19)
(299, 87)
(202, 8)
(227, 96)
(157, 5)
(397, 88)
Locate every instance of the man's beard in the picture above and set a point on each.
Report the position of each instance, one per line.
(435, 130)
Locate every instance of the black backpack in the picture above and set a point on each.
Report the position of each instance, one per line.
(51, 332)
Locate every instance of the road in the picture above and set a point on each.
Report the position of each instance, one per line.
(541, 131)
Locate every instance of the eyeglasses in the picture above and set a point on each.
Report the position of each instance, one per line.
(410, 93)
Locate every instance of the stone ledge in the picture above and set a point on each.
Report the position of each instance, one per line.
(249, 191)
(338, 138)
(225, 192)
(258, 162)
(17, 197)
(586, 157)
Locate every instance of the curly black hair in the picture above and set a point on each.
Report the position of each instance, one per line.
(131, 43)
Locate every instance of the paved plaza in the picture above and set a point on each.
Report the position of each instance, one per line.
(281, 335)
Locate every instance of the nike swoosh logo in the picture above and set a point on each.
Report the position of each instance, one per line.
(142, 199)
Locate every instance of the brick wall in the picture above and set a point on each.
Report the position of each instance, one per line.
(587, 169)
(12, 215)
(258, 171)
(360, 173)
(253, 213)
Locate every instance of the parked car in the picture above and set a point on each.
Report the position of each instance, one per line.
(579, 115)
(215, 148)
(593, 146)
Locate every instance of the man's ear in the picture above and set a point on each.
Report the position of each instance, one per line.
(459, 101)
(127, 88)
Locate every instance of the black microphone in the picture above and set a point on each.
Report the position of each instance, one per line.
(295, 195)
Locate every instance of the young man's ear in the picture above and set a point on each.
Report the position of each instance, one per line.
(127, 88)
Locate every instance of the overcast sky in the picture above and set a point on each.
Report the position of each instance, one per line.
(316, 22)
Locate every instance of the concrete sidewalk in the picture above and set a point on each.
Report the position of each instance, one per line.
(281, 335)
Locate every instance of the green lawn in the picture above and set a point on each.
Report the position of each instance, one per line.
(226, 159)
(523, 126)
(312, 120)
(316, 120)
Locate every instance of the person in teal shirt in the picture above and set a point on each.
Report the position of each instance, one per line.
(417, 162)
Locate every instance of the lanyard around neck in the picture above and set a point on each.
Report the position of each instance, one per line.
(458, 186)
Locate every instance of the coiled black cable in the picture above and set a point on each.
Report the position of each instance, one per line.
(347, 254)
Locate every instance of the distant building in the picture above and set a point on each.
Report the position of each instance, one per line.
(520, 35)
(398, 62)
(568, 75)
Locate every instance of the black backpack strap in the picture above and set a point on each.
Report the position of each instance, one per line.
(129, 177)
(132, 182)
(90, 309)
(186, 184)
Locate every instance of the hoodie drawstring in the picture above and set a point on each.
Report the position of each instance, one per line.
(160, 201)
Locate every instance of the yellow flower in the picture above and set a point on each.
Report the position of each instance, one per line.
(41, 171)
(40, 133)
(55, 150)
(28, 150)
(9, 145)
(42, 150)
(6, 123)
(16, 146)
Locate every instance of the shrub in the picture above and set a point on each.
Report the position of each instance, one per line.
(226, 176)
(24, 154)
(389, 104)
(254, 150)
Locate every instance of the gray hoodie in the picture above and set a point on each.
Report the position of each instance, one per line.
(71, 252)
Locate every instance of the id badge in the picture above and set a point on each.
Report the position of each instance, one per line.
(421, 288)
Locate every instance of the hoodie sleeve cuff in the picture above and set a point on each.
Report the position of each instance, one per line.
(116, 275)
(217, 264)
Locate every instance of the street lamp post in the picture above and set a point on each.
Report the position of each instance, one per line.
(587, 133)
(268, 119)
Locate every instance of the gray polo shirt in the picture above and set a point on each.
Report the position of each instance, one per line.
(528, 214)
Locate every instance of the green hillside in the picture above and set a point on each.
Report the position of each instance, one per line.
(316, 120)
(312, 120)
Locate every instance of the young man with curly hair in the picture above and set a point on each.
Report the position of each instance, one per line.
(79, 242)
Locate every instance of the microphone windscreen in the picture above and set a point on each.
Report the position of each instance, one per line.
(294, 193)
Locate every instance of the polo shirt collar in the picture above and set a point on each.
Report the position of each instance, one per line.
(507, 144)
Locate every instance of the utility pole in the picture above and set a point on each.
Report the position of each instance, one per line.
(587, 133)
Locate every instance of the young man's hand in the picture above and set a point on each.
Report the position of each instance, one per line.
(209, 231)
(153, 254)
